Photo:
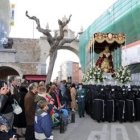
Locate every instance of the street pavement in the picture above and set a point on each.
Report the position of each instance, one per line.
(88, 129)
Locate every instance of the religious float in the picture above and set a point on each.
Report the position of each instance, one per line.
(110, 96)
(104, 56)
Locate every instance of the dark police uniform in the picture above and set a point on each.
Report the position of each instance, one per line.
(81, 101)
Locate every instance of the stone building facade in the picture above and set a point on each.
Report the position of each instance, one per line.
(27, 56)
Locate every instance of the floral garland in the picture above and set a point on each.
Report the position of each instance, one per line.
(88, 75)
(123, 74)
(97, 74)
(94, 73)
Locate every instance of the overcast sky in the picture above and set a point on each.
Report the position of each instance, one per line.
(84, 12)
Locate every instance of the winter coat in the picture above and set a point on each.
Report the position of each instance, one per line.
(3, 100)
(19, 120)
(42, 125)
(3, 120)
(73, 98)
(30, 107)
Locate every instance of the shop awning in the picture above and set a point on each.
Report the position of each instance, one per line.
(35, 77)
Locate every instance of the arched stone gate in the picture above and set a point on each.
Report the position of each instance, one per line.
(28, 56)
(8, 69)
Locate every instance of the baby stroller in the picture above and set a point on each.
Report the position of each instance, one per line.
(60, 119)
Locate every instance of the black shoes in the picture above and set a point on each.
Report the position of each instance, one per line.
(81, 116)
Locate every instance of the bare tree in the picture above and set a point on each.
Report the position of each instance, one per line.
(55, 42)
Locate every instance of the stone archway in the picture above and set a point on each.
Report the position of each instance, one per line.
(44, 48)
(73, 47)
(70, 49)
(5, 71)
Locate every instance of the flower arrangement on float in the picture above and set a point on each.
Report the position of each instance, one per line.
(88, 75)
(123, 74)
(97, 74)
(93, 73)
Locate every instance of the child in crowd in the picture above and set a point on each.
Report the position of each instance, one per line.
(43, 122)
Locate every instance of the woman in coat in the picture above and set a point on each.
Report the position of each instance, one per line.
(73, 97)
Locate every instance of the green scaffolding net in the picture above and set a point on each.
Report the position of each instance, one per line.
(122, 16)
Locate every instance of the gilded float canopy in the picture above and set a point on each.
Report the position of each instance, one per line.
(109, 38)
(100, 40)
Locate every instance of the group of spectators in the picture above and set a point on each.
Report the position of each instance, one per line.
(9, 91)
(41, 106)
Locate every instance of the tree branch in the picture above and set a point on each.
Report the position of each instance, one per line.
(33, 18)
(44, 31)
(62, 24)
(65, 40)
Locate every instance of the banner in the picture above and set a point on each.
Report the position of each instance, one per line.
(12, 14)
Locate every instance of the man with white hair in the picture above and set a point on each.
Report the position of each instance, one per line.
(30, 107)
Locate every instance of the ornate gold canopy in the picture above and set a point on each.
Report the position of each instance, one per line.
(109, 38)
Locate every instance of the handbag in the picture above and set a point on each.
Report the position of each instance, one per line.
(16, 108)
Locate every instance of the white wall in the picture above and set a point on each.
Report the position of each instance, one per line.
(131, 55)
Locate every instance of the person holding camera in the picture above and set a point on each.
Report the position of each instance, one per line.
(6, 132)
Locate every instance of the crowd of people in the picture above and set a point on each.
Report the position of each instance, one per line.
(42, 106)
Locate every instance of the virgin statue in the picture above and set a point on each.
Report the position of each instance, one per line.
(105, 61)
